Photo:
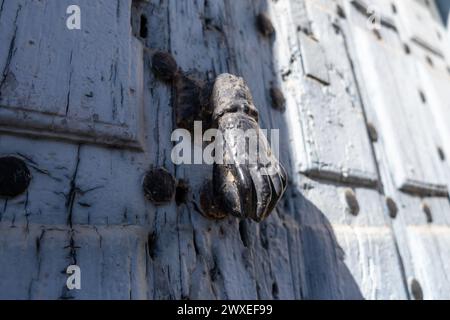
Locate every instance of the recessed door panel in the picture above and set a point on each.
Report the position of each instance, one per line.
(83, 85)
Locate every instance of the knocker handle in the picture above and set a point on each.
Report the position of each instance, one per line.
(248, 181)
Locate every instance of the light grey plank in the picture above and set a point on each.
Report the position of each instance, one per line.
(345, 155)
(391, 82)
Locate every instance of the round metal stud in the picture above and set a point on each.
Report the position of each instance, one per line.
(416, 289)
(352, 202)
(407, 49)
(264, 25)
(394, 8)
(159, 186)
(340, 12)
(392, 207)
(278, 100)
(427, 210)
(422, 96)
(14, 177)
(441, 153)
(373, 134)
(429, 61)
(164, 66)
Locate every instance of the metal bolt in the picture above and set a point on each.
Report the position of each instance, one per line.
(352, 202)
(14, 177)
(422, 97)
(181, 192)
(159, 186)
(278, 100)
(340, 12)
(427, 210)
(164, 66)
(264, 25)
(392, 207)
(373, 134)
(416, 289)
(429, 61)
(406, 48)
(441, 154)
(394, 8)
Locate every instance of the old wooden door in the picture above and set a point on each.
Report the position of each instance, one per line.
(364, 138)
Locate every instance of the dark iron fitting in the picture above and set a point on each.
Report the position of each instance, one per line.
(14, 177)
(159, 186)
(242, 189)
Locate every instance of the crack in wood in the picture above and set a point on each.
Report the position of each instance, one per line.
(10, 50)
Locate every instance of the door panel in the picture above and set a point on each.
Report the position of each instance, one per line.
(435, 84)
(419, 26)
(430, 255)
(336, 143)
(392, 85)
(366, 243)
(83, 85)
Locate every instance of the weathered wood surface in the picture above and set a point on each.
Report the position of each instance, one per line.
(85, 203)
(62, 80)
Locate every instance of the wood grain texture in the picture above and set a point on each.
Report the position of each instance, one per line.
(413, 227)
(56, 82)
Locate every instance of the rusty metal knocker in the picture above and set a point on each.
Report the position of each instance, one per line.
(244, 190)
